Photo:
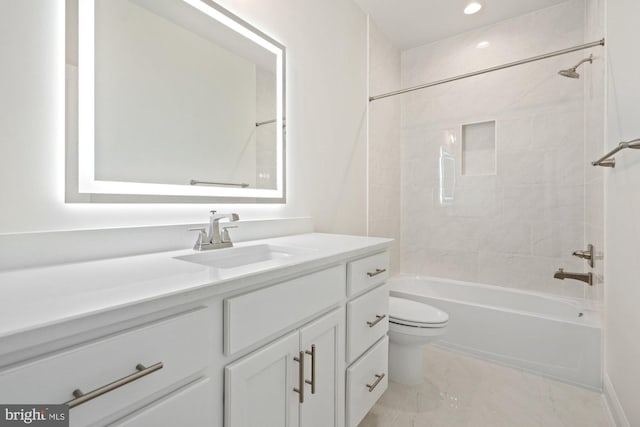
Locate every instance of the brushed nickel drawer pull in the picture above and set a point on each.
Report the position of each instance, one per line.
(81, 397)
(372, 387)
(378, 320)
(312, 383)
(378, 271)
(300, 389)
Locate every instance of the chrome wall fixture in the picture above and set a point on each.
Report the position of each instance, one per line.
(583, 277)
(610, 162)
(587, 255)
(266, 122)
(489, 70)
(571, 72)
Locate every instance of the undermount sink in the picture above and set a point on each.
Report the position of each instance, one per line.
(241, 256)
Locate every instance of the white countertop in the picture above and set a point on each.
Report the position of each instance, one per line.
(38, 297)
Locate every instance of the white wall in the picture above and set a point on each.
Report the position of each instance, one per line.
(326, 104)
(622, 208)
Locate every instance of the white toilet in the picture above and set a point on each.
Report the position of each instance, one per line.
(412, 324)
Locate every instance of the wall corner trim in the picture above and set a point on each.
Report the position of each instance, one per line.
(617, 417)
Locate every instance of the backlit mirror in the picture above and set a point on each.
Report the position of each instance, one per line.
(176, 98)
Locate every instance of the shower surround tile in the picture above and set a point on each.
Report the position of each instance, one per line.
(384, 204)
(517, 227)
(594, 90)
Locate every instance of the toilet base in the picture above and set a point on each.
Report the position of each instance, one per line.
(405, 363)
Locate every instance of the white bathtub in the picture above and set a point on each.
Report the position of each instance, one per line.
(552, 336)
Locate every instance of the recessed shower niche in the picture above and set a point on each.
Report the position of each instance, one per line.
(479, 148)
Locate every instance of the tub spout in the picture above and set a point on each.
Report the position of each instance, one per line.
(583, 277)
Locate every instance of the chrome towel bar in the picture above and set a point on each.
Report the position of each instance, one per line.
(609, 162)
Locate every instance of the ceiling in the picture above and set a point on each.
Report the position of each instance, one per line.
(411, 23)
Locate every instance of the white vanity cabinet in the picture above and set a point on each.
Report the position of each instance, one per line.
(150, 362)
(367, 341)
(294, 381)
(295, 345)
(189, 406)
(300, 380)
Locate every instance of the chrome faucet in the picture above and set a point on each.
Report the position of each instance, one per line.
(588, 255)
(583, 277)
(211, 238)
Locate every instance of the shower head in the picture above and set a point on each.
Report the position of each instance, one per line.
(571, 72)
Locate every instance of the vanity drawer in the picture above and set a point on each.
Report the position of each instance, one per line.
(252, 317)
(188, 407)
(367, 379)
(367, 321)
(367, 272)
(183, 344)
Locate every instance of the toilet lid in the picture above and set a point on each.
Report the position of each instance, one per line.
(414, 313)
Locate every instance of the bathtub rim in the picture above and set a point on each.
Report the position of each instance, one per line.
(592, 314)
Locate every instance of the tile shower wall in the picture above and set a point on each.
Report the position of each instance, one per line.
(594, 137)
(384, 143)
(514, 227)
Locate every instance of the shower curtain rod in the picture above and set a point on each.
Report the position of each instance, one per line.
(488, 70)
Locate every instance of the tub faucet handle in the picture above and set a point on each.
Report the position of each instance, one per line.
(587, 255)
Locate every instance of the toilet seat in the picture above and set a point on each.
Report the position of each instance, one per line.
(415, 314)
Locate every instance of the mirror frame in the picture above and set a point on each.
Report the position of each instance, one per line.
(88, 189)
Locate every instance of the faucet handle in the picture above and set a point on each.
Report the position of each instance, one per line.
(587, 255)
(225, 233)
(202, 237)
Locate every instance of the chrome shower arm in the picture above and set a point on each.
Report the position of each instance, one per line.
(608, 161)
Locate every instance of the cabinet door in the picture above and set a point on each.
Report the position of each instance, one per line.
(324, 405)
(259, 387)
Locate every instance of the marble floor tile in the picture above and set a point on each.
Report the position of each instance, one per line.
(461, 391)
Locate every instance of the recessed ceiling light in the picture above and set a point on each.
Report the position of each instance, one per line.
(472, 8)
(483, 44)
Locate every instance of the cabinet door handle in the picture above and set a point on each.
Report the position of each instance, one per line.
(375, 273)
(379, 378)
(312, 383)
(378, 320)
(81, 397)
(300, 389)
